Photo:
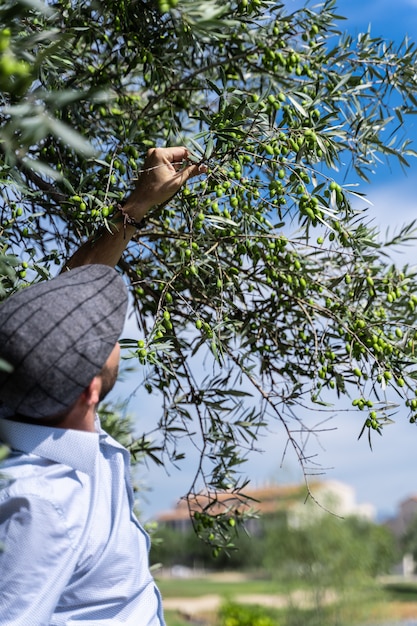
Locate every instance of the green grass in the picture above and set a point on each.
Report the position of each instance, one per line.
(347, 613)
(195, 587)
(172, 618)
(355, 606)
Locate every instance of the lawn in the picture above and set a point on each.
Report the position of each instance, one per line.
(196, 587)
(371, 604)
(173, 618)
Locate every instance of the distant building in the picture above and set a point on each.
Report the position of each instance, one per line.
(330, 497)
(399, 524)
(407, 513)
(299, 504)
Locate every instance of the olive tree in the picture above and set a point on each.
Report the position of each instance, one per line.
(261, 291)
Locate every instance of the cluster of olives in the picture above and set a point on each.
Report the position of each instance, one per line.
(15, 74)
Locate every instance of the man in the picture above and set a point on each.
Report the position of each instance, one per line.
(72, 549)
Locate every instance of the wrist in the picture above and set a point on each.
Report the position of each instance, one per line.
(122, 221)
(127, 219)
(136, 206)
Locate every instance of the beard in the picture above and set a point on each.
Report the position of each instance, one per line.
(108, 377)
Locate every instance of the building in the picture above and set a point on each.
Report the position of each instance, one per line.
(407, 513)
(301, 504)
(399, 525)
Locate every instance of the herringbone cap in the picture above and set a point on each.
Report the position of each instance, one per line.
(57, 335)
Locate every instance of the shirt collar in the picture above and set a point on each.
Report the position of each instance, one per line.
(75, 448)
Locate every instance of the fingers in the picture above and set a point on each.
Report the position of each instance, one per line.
(165, 171)
(190, 171)
(173, 156)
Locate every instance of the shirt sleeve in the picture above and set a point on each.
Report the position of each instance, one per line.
(37, 559)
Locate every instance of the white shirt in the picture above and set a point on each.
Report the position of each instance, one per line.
(72, 550)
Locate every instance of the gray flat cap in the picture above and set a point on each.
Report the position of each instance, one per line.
(57, 335)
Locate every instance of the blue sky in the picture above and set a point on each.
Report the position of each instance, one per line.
(387, 474)
(389, 19)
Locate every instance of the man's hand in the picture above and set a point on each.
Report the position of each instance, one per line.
(164, 172)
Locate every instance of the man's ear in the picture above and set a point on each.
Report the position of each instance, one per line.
(91, 394)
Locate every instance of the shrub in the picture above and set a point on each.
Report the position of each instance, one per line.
(232, 614)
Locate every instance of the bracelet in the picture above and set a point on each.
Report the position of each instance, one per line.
(127, 219)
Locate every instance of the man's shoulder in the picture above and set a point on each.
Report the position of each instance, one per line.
(43, 485)
(27, 475)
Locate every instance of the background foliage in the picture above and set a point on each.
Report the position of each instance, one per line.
(323, 552)
(267, 270)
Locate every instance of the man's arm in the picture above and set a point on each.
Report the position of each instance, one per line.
(163, 174)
